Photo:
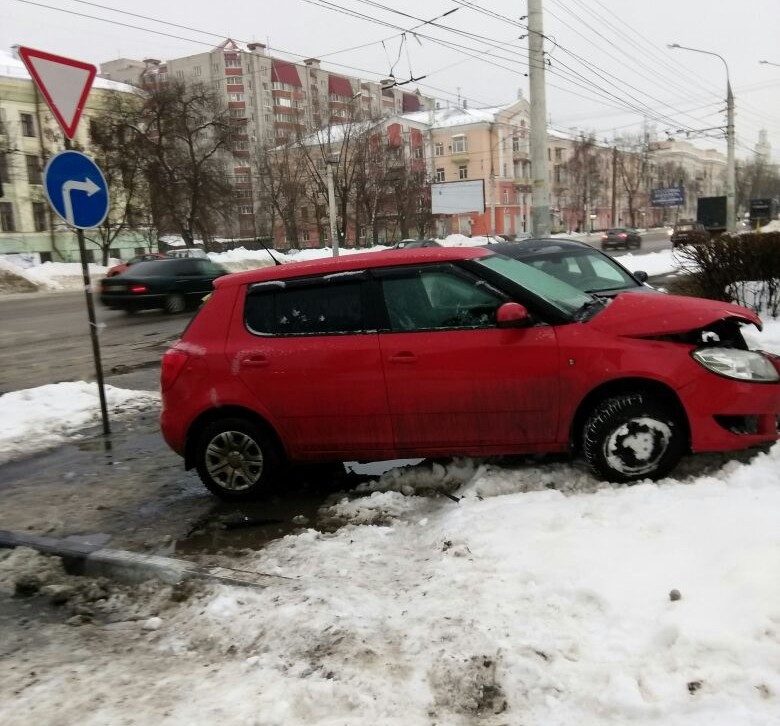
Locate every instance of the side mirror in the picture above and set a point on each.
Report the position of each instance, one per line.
(641, 275)
(512, 315)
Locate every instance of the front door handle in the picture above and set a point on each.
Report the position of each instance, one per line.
(254, 361)
(405, 356)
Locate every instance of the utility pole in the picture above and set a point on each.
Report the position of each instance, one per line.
(614, 186)
(540, 198)
(731, 172)
(331, 161)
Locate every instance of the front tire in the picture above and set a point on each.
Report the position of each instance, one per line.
(628, 438)
(236, 460)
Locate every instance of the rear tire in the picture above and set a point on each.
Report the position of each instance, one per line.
(628, 438)
(175, 303)
(236, 460)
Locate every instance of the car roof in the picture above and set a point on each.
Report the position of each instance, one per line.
(349, 262)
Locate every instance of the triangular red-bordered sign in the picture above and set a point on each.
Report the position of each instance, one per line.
(64, 83)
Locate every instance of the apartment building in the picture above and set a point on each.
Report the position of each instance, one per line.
(29, 136)
(491, 144)
(271, 100)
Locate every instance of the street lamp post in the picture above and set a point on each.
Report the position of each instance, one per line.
(332, 160)
(731, 211)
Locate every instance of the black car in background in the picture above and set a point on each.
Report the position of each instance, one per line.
(576, 263)
(172, 284)
(688, 232)
(621, 237)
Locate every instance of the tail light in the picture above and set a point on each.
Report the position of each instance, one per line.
(139, 288)
(173, 363)
(623, 235)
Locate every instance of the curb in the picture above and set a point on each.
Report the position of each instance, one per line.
(130, 567)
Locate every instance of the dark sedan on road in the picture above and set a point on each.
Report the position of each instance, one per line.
(172, 284)
(621, 237)
(576, 263)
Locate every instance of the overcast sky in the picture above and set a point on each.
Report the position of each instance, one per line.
(610, 68)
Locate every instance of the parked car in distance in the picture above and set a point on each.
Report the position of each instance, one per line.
(576, 263)
(454, 351)
(621, 237)
(408, 244)
(146, 257)
(173, 285)
(688, 232)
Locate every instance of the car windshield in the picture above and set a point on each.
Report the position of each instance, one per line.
(569, 300)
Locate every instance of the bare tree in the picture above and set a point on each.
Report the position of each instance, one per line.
(632, 151)
(185, 134)
(585, 182)
(123, 165)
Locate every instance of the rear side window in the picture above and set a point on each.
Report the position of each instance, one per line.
(320, 307)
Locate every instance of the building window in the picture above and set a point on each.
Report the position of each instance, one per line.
(33, 170)
(179, 74)
(233, 80)
(418, 152)
(438, 149)
(235, 96)
(515, 144)
(463, 172)
(459, 145)
(245, 209)
(305, 235)
(506, 196)
(4, 176)
(440, 175)
(232, 63)
(39, 216)
(559, 155)
(196, 71)
(7, 217)
(28, 124)
(305, 214)
(242, 178)
(2, 122)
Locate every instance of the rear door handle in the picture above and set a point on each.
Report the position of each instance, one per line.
(405, 356)
(254, 361)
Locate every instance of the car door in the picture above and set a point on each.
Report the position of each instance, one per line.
(455, 381)
(303, 350)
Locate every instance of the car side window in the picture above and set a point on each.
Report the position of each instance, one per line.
(438, 299)
(325, 307)
(607, 272)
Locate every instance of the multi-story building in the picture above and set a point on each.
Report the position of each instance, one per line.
(271, 100)
(491, 144)
(29, 135)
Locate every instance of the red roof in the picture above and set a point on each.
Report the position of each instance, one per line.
(283, 72)
(338, 86)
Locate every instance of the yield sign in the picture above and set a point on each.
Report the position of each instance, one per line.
(64, 83)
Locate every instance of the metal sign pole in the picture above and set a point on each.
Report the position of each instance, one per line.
(92, 323)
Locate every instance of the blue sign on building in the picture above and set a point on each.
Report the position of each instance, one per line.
(76, 189)
(667, 197)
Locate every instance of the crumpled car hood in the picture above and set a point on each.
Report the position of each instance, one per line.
(643, 316)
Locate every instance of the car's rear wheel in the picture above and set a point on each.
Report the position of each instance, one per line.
(175, 303)
(629, 437)
(236, 459)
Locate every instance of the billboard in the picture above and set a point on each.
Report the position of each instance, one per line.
(458, 197)
(667, 197)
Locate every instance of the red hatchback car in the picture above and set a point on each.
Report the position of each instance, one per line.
(455, 351)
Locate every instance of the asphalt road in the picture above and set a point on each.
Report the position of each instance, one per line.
(44, 338)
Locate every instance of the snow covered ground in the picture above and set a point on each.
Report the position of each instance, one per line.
(540, 596)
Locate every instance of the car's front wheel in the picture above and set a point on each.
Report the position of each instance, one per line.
(236, 459)
(630, 437)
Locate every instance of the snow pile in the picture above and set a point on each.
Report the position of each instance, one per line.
(653, 263)
(62, 275)
(34, 419)
(644, 605)
(14, 278)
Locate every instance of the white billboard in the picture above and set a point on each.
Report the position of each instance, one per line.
(458, 197)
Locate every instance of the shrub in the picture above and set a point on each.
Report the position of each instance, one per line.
(741, 268)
